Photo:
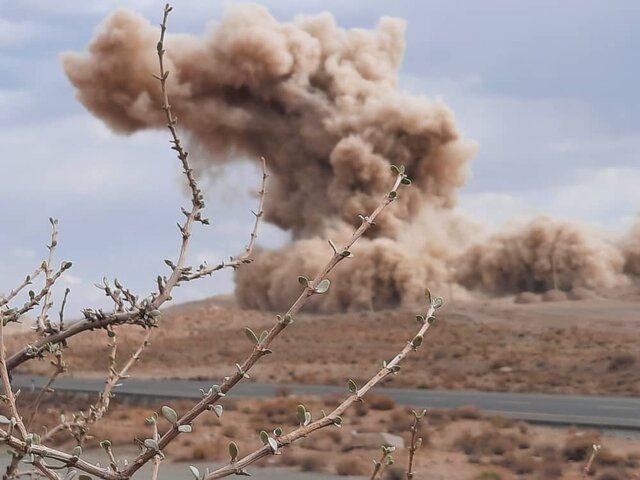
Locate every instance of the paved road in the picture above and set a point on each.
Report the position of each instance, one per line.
(594, 411)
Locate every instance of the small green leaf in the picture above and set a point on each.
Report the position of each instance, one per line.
(307, 418)
(233, 451)
(264, 437)
(273, 444)
(431, 319)
(395, 170)
(4, 420)
(323, 286)
(302, 280)
(195, 472)
(427, 294)
(251, 336)
(393, 194)
(417, 341)
(277, 432)
(337, 421)
(169, 414)
(186, 428)
(151, 444)
(438, 302)
(420, 319)
(218, 409)
(353, 388)
(301, 414)
(77, 451)
(405, 181)
(105, 444)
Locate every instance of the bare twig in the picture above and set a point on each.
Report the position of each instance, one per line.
(334, 418)
(594, 452)
(381, 465)
(415, 441)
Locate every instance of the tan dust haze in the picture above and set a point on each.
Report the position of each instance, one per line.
(524, 259)
(322, 104)
(631, 250)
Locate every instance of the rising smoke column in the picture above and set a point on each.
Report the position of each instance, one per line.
(523, 258)
(322, 104)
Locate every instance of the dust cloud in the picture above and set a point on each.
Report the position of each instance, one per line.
(631, 250)
(323, 105)
(541, 255)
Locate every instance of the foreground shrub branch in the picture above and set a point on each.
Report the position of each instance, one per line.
(129, 309)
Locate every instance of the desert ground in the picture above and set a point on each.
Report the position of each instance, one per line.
(461, 440)
(587, 346)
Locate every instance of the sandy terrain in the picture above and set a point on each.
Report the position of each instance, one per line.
(588, 346)
(458, 444)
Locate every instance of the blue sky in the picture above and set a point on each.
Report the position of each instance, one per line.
(549, 89)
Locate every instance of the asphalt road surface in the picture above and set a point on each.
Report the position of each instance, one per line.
(580, 410)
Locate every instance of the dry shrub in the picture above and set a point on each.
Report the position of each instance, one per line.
(381, 402)
(550, 470)
(621, 361)
(361, 409)
(352, 466)
(578, 446)
(467, 412)
(311, 463)
(547, 451)
(488, 442)
(614, 474)
(607, 457)
(519, 464)
(499, 421)
(395, 473)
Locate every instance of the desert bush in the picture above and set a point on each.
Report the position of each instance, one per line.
(621, 361)
(381, 402)
(166, 425)
(311, 463)
(578, 446)
(487, 442)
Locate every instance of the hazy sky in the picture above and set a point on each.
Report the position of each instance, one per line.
(549, 89)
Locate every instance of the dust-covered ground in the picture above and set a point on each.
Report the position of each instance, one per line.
(459, 444)
(588, 346)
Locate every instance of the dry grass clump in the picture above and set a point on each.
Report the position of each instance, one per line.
(490, 441)
(381, 402)
(621, 361)
(578, 445)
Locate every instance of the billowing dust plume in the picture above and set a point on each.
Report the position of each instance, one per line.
(322, 104)
(631, 250)
(540, 256)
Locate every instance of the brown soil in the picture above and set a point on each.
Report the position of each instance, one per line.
(588, 346)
